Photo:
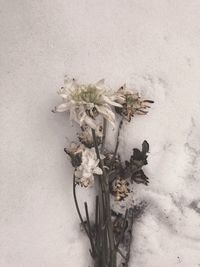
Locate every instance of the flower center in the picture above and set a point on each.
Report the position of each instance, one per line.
(131, 100)
(89, 94)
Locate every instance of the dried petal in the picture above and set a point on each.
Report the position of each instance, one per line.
(120, 189)
(131, 104)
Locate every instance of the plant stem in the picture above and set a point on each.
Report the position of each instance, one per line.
(102, 218)
(77, 207)
(90, 231)
(104, 135)
(106, 211)
(110, 228)
(117, 143)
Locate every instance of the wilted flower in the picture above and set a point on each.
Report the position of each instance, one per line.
(131, 103)
(75, 152)
(120, 188)
(86, 102)
(112, 161)
(86, 138)
(85, 172)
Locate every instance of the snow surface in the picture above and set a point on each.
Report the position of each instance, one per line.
(154, 46)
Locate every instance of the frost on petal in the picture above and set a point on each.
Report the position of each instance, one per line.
(62, 107)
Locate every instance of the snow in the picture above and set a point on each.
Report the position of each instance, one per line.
(152, 46)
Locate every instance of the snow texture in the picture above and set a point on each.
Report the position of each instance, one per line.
(153, 46)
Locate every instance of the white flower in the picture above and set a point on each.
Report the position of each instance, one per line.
(86, 102)
(89, 166)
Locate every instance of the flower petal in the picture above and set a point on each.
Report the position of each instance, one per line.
(63, 95)
(106, 112)
(98, 171)
(100, 83)
(62, 107)
(110, 102)
(90, 122)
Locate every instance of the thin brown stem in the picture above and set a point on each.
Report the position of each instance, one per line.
(90, 230)
(77, 206)
(104, 135)
(97, 149)
(97, 214)
(102, 234)
(110, 229)
(117, 143)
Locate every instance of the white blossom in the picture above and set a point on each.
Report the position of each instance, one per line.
(86, 102)
(89, 166)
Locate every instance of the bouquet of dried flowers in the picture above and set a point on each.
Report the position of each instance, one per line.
(92, 106)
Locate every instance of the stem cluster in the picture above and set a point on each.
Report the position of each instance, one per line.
(104, 246)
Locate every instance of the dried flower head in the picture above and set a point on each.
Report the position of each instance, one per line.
(131, 103)
(86, 102)
(86, 138)
(120, 188)
(75, 152)
(89, 166)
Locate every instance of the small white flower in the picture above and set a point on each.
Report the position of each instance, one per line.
(89, 166)
(85, 102)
